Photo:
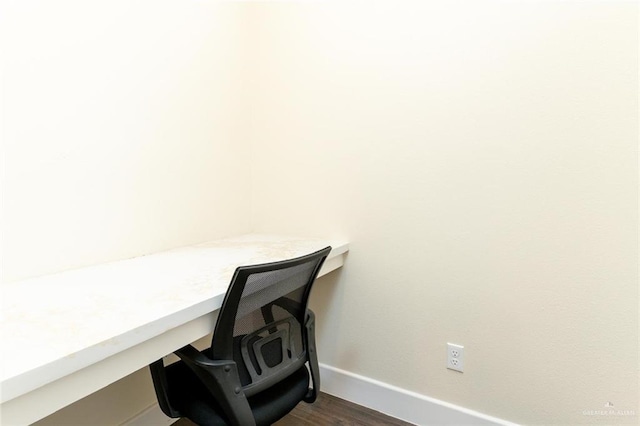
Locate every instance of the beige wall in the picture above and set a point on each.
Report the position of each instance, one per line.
(120, 138)
(481, 160)
(120, 128)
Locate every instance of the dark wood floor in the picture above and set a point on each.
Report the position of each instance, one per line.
(329, 410)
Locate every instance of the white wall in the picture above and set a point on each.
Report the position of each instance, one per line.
(481, 160)
(120, 130)
(120, 138)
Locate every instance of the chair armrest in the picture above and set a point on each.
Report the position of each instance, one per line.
(160, 385)
(189, 354)
(222, 380)
(310, 335)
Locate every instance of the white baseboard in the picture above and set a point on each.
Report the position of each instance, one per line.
(399, 403)
(390, 400)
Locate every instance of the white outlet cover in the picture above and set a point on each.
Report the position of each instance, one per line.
(455, 357)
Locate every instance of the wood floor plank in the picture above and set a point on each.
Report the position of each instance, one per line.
(330, 410)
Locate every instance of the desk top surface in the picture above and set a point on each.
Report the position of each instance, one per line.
(74, 318)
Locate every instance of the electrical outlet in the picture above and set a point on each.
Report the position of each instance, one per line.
(455, 357)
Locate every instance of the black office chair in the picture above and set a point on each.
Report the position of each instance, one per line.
(256, 369)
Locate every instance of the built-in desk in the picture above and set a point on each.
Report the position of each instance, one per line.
(67, 335)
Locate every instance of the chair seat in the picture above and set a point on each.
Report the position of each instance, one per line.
(191, 398)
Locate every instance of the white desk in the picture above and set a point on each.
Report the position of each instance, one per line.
(67, 335)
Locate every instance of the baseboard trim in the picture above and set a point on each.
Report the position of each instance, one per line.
(391, 400)
(399, 403)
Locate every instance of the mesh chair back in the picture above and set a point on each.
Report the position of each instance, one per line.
(261, 324)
